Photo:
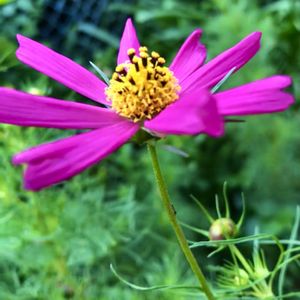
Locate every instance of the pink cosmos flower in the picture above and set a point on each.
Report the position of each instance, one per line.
(142, 93)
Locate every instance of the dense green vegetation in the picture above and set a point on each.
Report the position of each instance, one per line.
(59, 243)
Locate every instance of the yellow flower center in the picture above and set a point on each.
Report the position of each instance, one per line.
(142, 87)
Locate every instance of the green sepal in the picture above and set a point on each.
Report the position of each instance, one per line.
(142, 137)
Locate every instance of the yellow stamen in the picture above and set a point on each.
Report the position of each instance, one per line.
(143, 87)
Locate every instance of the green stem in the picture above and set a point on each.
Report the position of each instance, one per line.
(178, 231)
(241, 258)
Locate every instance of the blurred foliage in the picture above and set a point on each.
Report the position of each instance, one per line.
(59, 243)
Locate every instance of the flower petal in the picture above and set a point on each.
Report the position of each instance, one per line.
(258, 97)
(195, 112)
(61, 69)
(24, 109)
(215, 70)
(51, 163)
(129, 40)
(190, 56)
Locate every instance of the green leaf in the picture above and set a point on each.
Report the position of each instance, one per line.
(100, 72)
(3, 2)
(150, 288)
(246, 239)
(204, 210)
(293, 237)
(221, 82)
(100, 34)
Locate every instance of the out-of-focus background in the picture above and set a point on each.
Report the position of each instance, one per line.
(59, 243)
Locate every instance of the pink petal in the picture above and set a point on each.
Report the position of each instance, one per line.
(258, 97)
(129, 40)
(190, 56)
(24, 109)
(215, 70)
(61, 69)
(195, 112)
(51, 163)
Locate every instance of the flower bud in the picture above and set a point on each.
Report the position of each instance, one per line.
(221, 229)
(241, 278)
(259, 266)
(232, 276)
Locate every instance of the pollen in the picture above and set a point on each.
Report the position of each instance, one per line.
(142, 87)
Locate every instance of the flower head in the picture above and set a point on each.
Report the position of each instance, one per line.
(142, 94)
(142, 87)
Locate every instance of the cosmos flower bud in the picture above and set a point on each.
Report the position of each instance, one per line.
(241, 278)
(260, 267)
(232, 276)
(221, 229)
